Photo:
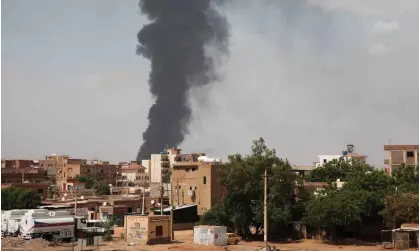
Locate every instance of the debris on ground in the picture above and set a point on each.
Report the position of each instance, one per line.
(268, 248)
(16, 242)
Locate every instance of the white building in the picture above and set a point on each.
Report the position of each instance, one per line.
(347, 155)
(160, 164)
(133, 172)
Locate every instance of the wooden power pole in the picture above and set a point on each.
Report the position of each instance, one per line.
(265, 209)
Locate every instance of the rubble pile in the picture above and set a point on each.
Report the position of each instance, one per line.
(15, 242)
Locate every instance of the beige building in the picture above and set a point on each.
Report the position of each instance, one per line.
(196, 181)
(150, 229)
(71, 169)
(399, 155)
(133, 172)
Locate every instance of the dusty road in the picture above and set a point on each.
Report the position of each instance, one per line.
(184, 241)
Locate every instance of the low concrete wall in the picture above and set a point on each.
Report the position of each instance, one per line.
(183, 226)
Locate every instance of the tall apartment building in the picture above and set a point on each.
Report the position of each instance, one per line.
(399, 155)
(196, 181)
(160, 164)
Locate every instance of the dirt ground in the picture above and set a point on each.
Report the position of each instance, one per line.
(184, 241)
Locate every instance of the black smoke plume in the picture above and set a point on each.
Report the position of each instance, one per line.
(175, 41)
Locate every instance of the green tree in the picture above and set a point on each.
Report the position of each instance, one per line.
(19, 198)
(406, 178)
(243, 177)
(102, 189)
(402, 207)
(87, 180)
(334, 210)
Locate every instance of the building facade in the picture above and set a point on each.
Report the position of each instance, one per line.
(160, 164)
(400, 155)
(71, 169)
(133, 172)
(196, 182)
(348, 155)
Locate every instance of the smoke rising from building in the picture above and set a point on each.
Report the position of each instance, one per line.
(175, 41)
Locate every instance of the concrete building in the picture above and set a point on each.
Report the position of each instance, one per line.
(399, 155)
(160, 164)
(100, 171)
(17, 163)
(152, 229)
(196, 181)
(133, 172)
(347, 155)
(23, 175)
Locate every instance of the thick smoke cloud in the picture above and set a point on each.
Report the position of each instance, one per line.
(175, 42)
(312, 76)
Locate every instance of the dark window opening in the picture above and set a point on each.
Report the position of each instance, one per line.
(205, 180)
(190, 188)
(159, 231)
(324, 161)
(130, 210)
(410, 154)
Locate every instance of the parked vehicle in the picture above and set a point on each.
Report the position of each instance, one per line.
(232, 238)
(59, 225)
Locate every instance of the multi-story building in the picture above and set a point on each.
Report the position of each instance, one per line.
(160, 164)
(347, 155)
(71, 169)
(17, 163)
(401, 155)
(23, 175)
(133, 172)
(195, 180)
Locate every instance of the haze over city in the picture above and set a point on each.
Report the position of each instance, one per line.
(308, 76)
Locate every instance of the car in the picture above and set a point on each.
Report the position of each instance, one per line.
(232, 238)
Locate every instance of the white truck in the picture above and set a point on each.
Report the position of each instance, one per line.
(58, 224)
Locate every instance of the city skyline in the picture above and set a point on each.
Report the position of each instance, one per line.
(72, 84)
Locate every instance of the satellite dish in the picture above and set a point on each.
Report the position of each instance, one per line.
(158, 204)
(110, 185)
(104, 203)
(82, 197)
(65, 194)
(152, 202)
(63, 198)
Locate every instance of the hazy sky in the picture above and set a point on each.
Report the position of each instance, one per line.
(308, 76)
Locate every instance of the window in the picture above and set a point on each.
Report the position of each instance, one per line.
(324, 161)
(205, 180)
(130, 210)
(187, 170)
(190, 188)
(410, 154)
(159, 231)
(193, 169)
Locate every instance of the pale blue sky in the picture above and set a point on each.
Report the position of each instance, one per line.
(310, 77)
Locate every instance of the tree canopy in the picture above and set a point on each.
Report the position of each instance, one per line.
(19, 198)
(243, 177)
(367, 196)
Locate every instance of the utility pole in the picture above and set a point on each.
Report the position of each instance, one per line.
(177, 191)
(142, 210)
(265, 209)
(171, 211)
(161, 198)
(75, 203)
